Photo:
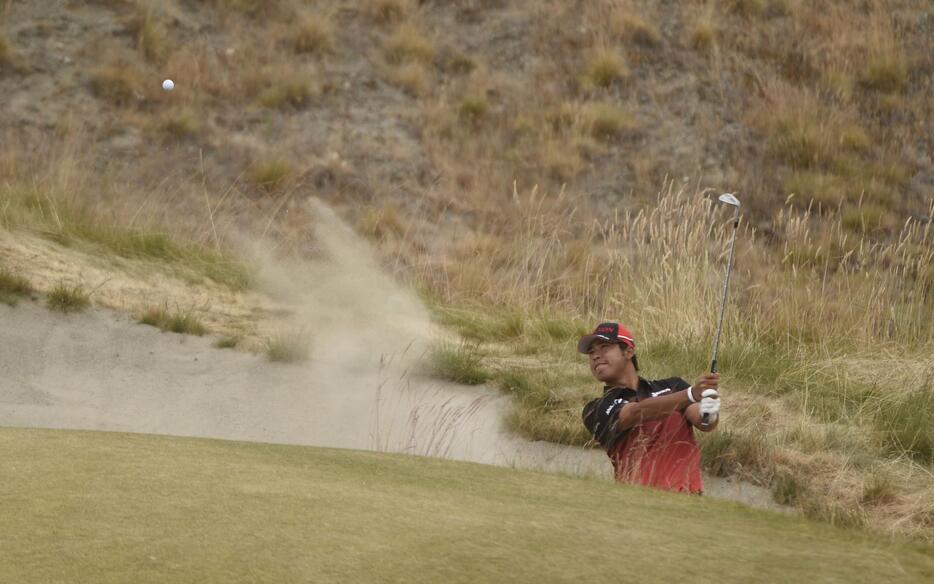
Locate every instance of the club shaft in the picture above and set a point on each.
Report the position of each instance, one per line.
(726, 288)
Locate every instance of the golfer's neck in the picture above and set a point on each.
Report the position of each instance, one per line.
(628, 379)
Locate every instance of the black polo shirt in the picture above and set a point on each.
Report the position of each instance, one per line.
(601, 415)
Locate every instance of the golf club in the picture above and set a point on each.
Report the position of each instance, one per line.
(731, 200)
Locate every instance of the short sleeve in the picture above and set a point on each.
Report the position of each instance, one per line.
(601, 417)
(677, 384)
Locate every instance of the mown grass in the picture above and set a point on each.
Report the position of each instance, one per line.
(72, 221)
(13, 287)
(178, 321)
(107, 484)
(67, 298)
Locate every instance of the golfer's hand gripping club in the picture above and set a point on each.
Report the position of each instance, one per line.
(709, 406)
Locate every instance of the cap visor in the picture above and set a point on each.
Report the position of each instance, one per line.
(583, 345)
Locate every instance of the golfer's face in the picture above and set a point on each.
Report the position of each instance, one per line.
(608, 360)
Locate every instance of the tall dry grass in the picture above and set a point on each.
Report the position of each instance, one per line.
(824, 330)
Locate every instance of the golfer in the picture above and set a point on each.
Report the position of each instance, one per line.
(646, 426)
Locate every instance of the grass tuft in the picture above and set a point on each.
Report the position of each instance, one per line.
(703, 35)
(118, 83)
(283, 94)
(473, 108)
(312, 35)
(637, 30)
(904, 420)
(458, 363)
(179, 125)
(885, 72)
(152, 37)
(227, 342)
(67, 299)
(6, 52)
(13, 287)
(414, 79)
(289, 347)
(185, 323)
(747, 8)
(389, 11)
(607, 121)
(604, 68)
(269, 175)
(408, 44)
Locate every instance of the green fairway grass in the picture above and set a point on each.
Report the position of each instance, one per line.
(109, 507)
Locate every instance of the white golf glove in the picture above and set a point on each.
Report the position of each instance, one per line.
(710, 404)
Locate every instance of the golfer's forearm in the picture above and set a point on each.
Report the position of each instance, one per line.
(652, 409)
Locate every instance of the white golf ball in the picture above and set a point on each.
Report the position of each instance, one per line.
(168, 85)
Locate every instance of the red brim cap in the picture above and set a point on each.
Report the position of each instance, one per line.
(611, 332)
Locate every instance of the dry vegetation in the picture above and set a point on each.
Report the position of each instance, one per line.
(431, 126)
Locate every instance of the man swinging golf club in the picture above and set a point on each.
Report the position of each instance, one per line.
(647, 426)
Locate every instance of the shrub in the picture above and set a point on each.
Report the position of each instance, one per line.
(66, 299)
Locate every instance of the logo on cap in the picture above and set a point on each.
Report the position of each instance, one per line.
(612, 332)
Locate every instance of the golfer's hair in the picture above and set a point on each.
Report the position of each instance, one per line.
(635, 362)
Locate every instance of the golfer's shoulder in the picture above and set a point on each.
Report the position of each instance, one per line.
(611, 396)
(669, 383)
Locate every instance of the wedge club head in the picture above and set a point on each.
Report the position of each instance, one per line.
(729, 199)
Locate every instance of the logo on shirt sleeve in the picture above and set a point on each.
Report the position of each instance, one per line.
(615, 403)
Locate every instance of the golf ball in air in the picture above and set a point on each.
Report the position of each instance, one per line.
(168, 85)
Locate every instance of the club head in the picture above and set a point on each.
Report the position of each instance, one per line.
(729, 199)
